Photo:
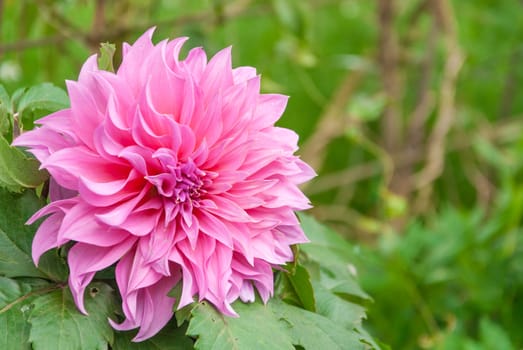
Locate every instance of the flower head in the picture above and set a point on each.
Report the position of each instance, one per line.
(174, 171)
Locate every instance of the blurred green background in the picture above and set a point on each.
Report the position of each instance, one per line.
(409, 110)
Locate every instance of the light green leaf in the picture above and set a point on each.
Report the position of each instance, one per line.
(276, 325)
(56, 323)
(45, 96)
(256, 328)
(169, 338)
(312, 331)
(15, 98)
(105, 60)
(18, 170)
(326, 246)
(333, 256)
(493, 336)
(337, 309)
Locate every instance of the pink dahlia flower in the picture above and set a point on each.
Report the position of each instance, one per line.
(174, 171)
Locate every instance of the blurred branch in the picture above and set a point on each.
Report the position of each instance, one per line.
(502, 133)
(21, 45)
(332, 123)
(99, 22)
(484, 187)
(425, 98)
(446, 112)
(1, 16)
(69, 31)
(510, 88)
(388, 56)
(402, 182)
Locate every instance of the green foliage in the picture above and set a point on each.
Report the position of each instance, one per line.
(13, 317)
(453, 282)
(314, 306)
(57, 324)
(284, 327)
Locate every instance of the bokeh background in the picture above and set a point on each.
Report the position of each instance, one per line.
(410, 111)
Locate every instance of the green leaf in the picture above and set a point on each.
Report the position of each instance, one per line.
(45, 96)
(56, 323)
(326, 246)
(15, 236)
(256, 328)
(337, 309)
(284, 290)
(301, 282)
(169, 338)
(105, 60)
(18, 170)
(16, 298)
(15, 98)
(312, 331)
(493, 336)
(276, 325)
(333, 256)
(339, 280)
(16, 239)
(14, 327)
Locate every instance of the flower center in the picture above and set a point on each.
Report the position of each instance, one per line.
(182, 182)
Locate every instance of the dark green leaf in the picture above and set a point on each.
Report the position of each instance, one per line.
(15, 306)
(56, 323)
(284, 290)
(301, 282)
(169, 338)
(15, 236)
(13, 321)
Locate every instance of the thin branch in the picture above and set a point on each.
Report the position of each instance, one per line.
(391, 127)
(332, 123)
(502, 133)
(446, 113)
